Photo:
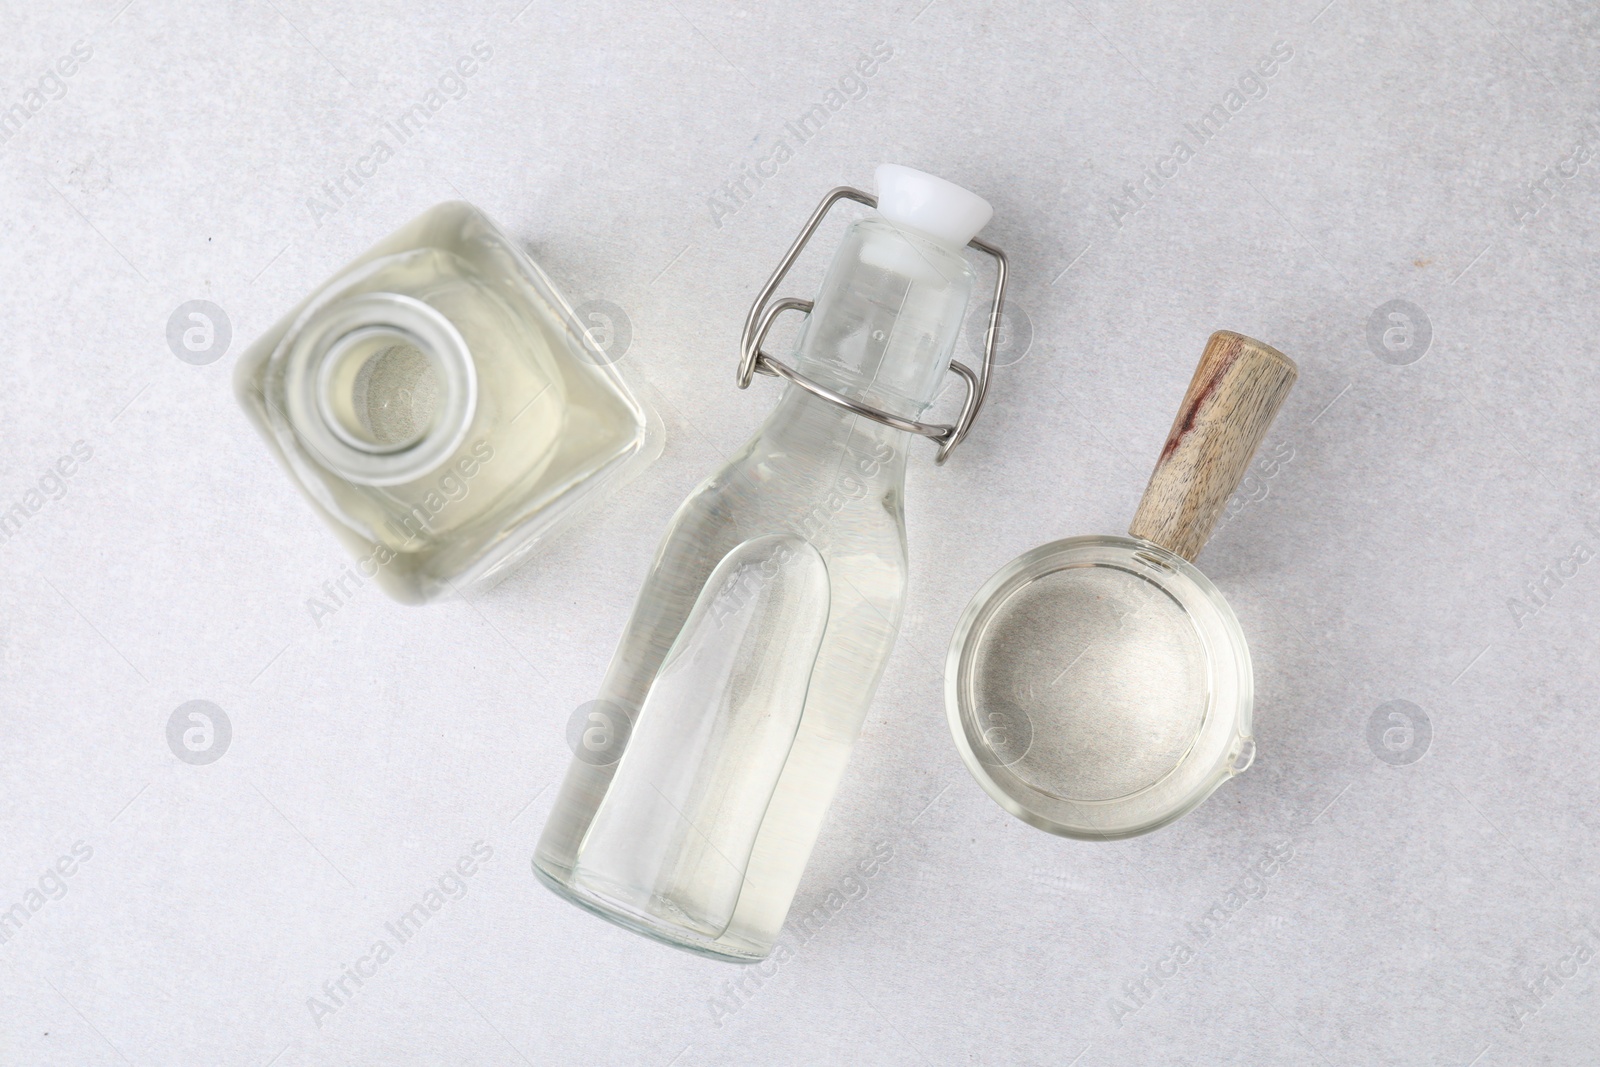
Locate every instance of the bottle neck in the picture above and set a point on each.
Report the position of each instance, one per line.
(887, 317)
(381, 386)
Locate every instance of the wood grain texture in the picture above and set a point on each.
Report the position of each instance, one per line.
(1236, 392)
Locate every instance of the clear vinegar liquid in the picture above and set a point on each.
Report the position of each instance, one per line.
(807, 455)
(1108, 672)
(815, 474)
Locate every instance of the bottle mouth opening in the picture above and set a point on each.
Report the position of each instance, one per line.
(378, 389)
(382, 387)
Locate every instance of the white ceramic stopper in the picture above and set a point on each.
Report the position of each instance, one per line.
(924, 202)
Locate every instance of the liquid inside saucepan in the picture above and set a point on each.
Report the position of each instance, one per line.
(1090, 682)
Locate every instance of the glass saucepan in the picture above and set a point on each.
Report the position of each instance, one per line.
(1100, 687)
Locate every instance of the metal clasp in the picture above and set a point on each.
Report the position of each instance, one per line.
(765, 310)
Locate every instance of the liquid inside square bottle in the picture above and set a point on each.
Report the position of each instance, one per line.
(441, 407)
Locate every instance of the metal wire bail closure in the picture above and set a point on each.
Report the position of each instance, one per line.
(766, 310)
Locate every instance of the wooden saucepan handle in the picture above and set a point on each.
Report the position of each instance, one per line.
(1234, 395)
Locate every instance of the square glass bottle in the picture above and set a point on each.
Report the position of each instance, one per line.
(440, 405)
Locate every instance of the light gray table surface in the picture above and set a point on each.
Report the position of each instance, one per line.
(1428, 534)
